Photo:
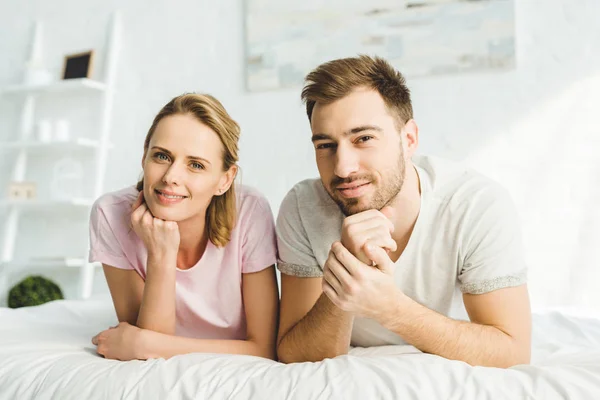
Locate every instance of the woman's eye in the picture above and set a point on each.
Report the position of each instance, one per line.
(161, 156)
(197, 166)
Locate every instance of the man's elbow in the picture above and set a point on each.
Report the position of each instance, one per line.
(288, 355)
(519, 356)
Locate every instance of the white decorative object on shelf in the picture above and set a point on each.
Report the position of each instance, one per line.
(67, 179)
(44, 131)
(35, 73)
(61, 130)
(46, 138)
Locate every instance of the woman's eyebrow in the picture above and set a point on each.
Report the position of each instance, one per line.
(188, 157)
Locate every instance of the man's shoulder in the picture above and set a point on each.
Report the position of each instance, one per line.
(455, 184)
(309, 194)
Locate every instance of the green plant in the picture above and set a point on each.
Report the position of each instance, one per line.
(33, 291)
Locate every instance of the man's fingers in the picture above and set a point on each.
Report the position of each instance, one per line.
(379, 257)
(351, 263)
(338, 270)
(381, 238)
(333, 281)
(369, 219)
(361, 216)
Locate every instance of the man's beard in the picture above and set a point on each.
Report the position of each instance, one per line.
(390, 187)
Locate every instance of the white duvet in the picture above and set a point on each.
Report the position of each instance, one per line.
(45, 353)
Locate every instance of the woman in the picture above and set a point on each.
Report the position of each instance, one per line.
(188, 256)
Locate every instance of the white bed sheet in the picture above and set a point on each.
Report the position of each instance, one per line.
(45, 353)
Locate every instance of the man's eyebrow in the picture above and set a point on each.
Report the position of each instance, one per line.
(321, 136)
(362, 128)
(353, 131)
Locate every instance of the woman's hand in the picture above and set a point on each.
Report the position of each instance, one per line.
(121, 342)
(160, 237)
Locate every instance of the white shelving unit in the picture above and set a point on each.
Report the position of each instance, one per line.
(26, 146)
(32, 145)
(57, 87)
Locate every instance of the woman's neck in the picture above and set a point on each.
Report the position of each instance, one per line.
(193, 238)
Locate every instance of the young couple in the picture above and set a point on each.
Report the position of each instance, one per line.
(377, 251)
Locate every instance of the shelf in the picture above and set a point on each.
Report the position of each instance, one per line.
(57, 86)
(46, 204)
(73, 144)
(49, 262)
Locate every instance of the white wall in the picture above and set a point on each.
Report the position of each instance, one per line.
(532, 128)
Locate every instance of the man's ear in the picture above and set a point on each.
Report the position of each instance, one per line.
(410, 138)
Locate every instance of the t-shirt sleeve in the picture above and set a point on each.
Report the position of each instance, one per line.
(494, 257)
(104, 244)
(296, 256)
(259, 247)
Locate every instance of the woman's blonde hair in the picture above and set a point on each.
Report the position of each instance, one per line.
(222, 210)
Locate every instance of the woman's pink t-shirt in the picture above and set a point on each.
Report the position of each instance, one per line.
(209, 301)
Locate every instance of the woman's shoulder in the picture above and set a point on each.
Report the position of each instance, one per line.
(116, 206)
(251, 201)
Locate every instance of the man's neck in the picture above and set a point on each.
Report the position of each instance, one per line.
(407, 206)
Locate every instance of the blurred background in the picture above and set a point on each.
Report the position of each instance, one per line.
(511, 88)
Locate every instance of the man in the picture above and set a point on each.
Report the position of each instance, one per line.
(380, 248)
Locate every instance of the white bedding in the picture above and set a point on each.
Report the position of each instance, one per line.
(45, 353)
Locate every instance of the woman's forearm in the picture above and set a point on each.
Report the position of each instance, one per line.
(159, 345)
(157, 311)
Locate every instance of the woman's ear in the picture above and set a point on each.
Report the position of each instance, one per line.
(227, 180)
(144, 158)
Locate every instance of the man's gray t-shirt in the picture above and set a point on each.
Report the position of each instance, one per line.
(466, 239)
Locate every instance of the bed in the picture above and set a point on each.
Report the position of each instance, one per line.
(46, 353)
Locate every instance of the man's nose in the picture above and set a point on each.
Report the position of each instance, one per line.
(347, 161)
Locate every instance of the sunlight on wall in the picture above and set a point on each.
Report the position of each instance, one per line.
(549, 162)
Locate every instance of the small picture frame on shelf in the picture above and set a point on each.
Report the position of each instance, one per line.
(78, 65)
(21, 191)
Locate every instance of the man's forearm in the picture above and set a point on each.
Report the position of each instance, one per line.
(324, 332)
(473, 343)
(157, 311)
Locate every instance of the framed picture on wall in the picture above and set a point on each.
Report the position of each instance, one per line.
(79, 65)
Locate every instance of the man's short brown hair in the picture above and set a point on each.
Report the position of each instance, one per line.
(335, 79)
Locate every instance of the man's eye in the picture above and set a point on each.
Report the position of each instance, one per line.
(363, 139)
(325, 146)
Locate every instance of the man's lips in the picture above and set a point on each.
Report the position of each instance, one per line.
(353, 185)
(353, 190)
